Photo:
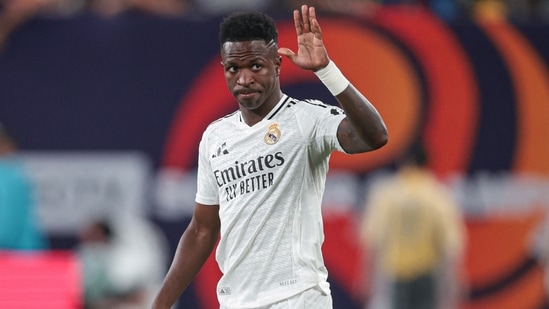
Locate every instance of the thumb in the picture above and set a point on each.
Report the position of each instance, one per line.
(287, 52)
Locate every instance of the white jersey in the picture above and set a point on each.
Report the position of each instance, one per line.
(268, 180)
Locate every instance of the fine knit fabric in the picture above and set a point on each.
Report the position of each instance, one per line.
(268, 180)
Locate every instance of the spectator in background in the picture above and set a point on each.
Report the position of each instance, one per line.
(19, 226)
(414, 233)
(123, 262)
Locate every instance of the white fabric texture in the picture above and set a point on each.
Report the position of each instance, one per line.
(268, 180)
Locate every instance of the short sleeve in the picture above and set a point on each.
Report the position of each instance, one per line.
(326, 123)
(207, 192)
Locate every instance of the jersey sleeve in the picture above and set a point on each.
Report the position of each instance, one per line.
(326, 122)
(207, 192)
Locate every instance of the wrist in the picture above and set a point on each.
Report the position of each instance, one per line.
(332, 78)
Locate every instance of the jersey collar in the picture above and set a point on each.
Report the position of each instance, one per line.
(277, 108)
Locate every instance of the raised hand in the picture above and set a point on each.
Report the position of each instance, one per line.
(311, 53)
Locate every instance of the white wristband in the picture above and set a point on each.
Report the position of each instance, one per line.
(332, 78)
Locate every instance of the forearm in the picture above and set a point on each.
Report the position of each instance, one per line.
(363, 117)
(364, 128)
(193, 250)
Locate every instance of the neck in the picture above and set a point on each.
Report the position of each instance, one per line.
(251, 117)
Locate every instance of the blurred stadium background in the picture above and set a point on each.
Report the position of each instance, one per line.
(109, 110)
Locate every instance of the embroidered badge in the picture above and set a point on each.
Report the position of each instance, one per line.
(273, 135)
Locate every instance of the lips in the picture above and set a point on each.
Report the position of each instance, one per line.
(246, 94)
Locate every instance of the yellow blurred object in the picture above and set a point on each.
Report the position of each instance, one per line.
(490, 10)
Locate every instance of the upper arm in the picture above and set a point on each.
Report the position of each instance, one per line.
(205, 221)
(363, 129)
(349, 139)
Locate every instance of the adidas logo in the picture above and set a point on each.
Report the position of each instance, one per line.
(221, 150)
(224, 291)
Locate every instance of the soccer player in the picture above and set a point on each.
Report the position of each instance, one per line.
(262, 171)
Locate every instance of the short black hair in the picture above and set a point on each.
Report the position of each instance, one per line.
(248, 26)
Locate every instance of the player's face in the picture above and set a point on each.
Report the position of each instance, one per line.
(251, 71)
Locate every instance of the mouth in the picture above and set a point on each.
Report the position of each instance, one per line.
(246, 94)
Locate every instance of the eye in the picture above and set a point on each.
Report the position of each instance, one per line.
(257, 67)
(231, 69)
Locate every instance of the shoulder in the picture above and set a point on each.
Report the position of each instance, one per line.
(315, 107)
(312, 104)
(221, 123)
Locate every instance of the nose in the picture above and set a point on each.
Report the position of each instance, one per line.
(245, 78)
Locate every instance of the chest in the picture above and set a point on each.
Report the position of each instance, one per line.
(268, 145)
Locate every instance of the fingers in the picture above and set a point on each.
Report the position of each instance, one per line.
(315, 26)
(305, 21)
(297, 22)
(305, 17)
(287, 52)
(312, 14)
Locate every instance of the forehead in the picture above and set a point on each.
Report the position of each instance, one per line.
(254, 48)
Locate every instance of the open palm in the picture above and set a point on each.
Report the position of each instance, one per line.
(311, 53)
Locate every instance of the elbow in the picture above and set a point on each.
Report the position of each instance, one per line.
(381, 140)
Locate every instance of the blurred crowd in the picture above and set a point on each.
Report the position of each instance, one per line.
(14, 13)
(447, 9)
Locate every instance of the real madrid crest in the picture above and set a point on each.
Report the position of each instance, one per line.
(273, 135)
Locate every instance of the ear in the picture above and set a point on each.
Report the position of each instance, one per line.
(278, 64)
